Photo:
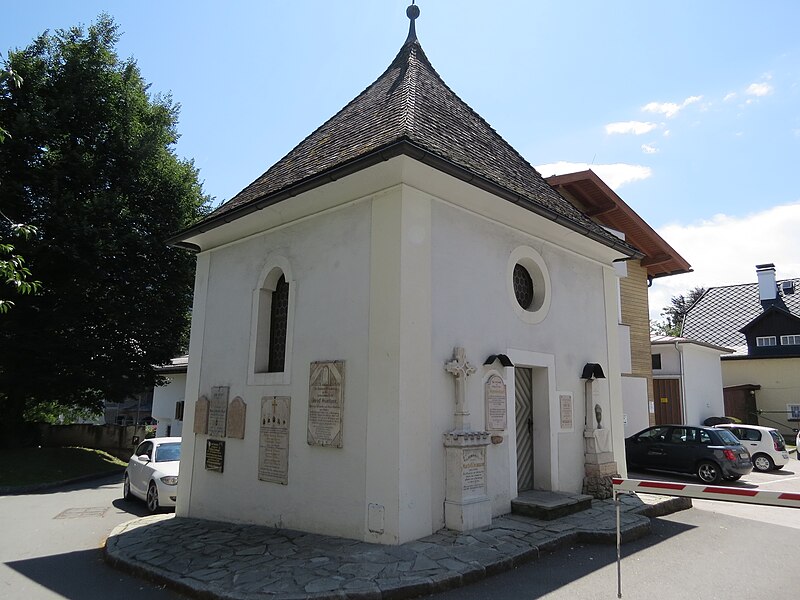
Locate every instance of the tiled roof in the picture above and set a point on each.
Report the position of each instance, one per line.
(721, 312)
(409, 110)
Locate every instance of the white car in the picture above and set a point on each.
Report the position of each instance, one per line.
(765, 444)
(152, 472)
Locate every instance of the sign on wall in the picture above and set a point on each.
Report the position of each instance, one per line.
(326, 403)
(215, 455)
(273, 443)
(566, 411)
(218, 411)
(494, 392)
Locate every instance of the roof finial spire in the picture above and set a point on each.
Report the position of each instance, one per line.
(412, 12)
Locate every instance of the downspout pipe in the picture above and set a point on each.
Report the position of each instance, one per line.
(683, 381)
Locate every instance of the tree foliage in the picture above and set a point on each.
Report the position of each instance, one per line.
(89, 164)
(675, 313)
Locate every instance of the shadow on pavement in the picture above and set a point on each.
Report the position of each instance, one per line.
(560, 568)
(84, 483)
(136, 507)
(83, 575)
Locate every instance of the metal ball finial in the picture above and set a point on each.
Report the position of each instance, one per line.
(412, 11)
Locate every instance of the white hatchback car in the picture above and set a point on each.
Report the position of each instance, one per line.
(152, 472)
(765, 444)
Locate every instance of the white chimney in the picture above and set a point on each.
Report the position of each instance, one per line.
(767, 287)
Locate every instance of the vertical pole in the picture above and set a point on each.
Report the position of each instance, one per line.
(619, 542)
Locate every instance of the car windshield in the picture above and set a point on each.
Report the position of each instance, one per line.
(167, 452)
(727, 437)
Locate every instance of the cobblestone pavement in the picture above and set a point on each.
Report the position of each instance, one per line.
(221, 560)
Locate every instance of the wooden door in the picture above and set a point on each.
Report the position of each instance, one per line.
(667, 393)
(523, 402)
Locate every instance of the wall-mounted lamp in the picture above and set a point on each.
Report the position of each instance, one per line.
(592, 371)
(504, 360)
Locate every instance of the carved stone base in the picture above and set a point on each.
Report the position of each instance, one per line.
(467, 505)
(598, 486)
(599, 463)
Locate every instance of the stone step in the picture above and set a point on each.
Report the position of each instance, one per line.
(547, 506)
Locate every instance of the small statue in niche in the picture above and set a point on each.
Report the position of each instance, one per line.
(598, 413)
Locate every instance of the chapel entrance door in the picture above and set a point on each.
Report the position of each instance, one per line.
(523, 380)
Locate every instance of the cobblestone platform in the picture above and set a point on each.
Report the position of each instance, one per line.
(209, 559)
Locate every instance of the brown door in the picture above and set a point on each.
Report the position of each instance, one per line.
(667, 393)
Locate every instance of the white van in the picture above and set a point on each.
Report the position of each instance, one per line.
(765, 444)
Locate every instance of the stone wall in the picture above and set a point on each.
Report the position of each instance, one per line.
(117, 440)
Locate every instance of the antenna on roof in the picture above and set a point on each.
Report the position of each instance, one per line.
(412, 12)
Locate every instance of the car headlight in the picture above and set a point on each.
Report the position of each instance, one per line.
(170, 480)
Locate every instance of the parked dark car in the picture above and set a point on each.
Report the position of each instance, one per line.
(711, 454)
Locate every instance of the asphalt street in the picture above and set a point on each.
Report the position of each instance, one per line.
(52, 549)
(52, 544)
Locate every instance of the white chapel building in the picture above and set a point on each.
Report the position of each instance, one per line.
(398, 327)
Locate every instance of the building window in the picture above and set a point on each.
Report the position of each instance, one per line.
(279, 311)
(656, 361)
(179, 410)
(528, 284)
(794, 412)
(767, 340)
(790, 340)
(270, 342)
(523, 286)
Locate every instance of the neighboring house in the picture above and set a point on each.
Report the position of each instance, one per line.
(589, 194)
(168, 399)
(133, 410)
(399, 326)
(761, 322)
(687, 380)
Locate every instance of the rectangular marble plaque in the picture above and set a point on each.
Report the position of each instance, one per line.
(218, 411)
(494, 391)
(326, 403)
(201, 415)
(565, 411)
(273, 444)
(473, 474)
(237, 411)
(215, 455)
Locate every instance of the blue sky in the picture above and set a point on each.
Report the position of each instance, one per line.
(689, 110)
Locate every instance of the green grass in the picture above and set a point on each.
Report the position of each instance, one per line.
(32, 466)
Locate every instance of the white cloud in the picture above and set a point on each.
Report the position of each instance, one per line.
(615, 175)
(670, 109)
(634, 127)
(759, 89)
(729, 96)
(649, 149)
(725, 250)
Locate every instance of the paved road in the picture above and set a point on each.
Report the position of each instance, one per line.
(51, 549)
(51, 545)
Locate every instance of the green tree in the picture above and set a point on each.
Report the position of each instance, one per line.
(675, 313)
(90, 164)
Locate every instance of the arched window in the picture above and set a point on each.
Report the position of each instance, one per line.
(272, 323)
(279, 312)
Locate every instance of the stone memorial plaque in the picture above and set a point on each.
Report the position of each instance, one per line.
(494, 391)
(237, 411)
(201, 415)
(565, 411)
(473, 474)
(326, 403)
(273, 444)
(218, 411)
(215, 455)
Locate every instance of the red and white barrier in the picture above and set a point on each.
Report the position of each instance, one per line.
(708, 492)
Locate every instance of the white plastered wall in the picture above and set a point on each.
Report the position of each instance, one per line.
(165, 397)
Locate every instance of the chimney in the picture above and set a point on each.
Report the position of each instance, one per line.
(767, 287)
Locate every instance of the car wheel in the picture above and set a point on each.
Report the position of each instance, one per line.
(762, 462)
(152, 498)
(709, 472)
(126, 488)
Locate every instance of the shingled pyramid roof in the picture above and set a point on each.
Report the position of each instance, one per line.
(409, 110)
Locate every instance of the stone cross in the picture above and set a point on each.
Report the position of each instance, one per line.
(460, 369)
